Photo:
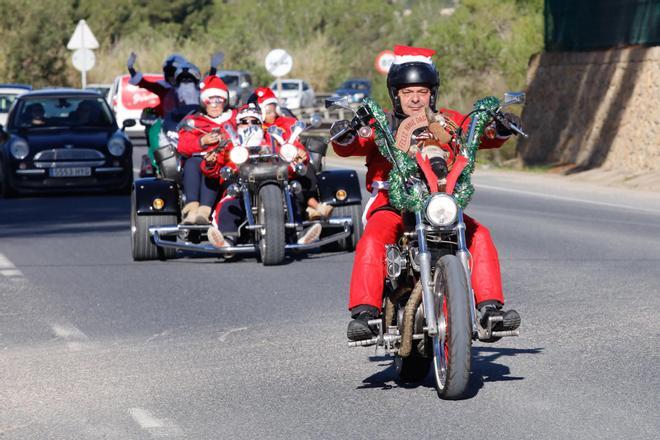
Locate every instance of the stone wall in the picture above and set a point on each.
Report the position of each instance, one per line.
(595, 109)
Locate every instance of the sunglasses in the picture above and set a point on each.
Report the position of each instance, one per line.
(214, 100)
(249, 122)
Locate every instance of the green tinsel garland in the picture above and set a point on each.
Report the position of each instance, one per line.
(404, 167)
(464, 190)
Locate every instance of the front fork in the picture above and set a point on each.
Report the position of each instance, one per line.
(425, 272)
(464, 256)
(427, 281)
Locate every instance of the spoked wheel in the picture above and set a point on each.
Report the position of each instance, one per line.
(452, 347)
(272, 234)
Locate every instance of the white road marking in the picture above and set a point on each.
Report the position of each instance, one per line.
(74, 337)
(223, 336)
(9, 270)
(566, 199)
(155, 426)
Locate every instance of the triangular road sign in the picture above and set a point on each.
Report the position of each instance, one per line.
(82, 38)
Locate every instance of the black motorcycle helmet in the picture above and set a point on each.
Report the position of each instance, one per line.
(170, 65)
(414, 73)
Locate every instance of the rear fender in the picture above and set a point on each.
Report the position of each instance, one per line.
(332, 182)
(148, 189)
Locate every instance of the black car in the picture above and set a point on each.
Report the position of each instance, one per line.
(64, 139)
(356, 89)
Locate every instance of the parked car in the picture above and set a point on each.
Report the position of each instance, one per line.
(356, 89)
(8, 93)
(128, 101)
(239, 83)
(64, 139)
(103, 89)
(296, 93)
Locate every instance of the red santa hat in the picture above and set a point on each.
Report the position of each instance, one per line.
(213, 86)
(265, 96)
(407, 54)
(248, 111)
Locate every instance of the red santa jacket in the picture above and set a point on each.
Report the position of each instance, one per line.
(190, 136)
(378, 168)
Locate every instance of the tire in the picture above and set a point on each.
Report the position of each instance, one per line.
(413, 368)
(271, 216)
(349, 244)
(6, 190)
(142, 247)
(452, 347)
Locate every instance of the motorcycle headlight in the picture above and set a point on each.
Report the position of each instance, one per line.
(238, 155)
(441, 210)
(288, 152)
(19, 149)
(116, 146)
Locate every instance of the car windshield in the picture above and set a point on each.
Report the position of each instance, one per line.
(46, 112)
(230, 80)
(5, 101)
(288, 85)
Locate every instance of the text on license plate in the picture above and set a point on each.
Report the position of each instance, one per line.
(70, 172)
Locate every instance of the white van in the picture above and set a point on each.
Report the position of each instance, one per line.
(128, 101)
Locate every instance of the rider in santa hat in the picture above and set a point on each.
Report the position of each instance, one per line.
(201, 132)
(228, 213)
(412, 83)
(272, 115)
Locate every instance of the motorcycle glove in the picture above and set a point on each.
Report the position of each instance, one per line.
(503, 128)
(347, 137)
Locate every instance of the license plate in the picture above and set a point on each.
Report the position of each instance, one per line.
(70, 172)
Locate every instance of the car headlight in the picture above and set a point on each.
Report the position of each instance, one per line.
(288, 152)
(441, 210)
(19, 149)
(116, 146)
(238, 155)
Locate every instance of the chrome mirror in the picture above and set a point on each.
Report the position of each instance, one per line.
(315, 120)
(337, 103)
(511, 98)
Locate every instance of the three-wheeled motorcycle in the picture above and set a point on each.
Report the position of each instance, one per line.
(262, 183)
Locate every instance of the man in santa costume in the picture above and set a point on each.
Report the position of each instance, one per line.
(228, 213)
(271, 114)
(412, 83)
(200, 133)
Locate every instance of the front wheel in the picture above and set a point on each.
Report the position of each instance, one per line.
(142, 246)
(452, 347)
(271, 217)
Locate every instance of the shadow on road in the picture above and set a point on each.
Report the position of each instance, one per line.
(64, 215)
(484, 369)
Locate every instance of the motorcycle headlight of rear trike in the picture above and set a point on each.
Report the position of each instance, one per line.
(239, 154)
(441, 210)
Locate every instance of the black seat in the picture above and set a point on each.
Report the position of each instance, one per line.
(317, 148)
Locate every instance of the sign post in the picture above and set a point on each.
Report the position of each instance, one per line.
(278, 63)
(82, 42)
(384, 61)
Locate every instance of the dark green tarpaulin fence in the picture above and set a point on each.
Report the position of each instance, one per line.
(574, 25)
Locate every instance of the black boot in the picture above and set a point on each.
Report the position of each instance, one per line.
(510, 319)
(359, 328)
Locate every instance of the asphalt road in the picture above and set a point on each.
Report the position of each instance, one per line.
(95, 346)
